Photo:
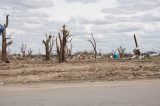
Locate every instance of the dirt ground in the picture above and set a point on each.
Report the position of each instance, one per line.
(28, 71)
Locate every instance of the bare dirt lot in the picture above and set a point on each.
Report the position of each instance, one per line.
(26, 71)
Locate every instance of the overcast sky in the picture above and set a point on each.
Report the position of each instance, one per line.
(113, 22)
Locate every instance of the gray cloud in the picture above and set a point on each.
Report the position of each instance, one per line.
(146, 17)
(134, 11)
(94, 21)
(82, 1)
(118, 28)
(132, 6)
(25, 4)
(140, 5)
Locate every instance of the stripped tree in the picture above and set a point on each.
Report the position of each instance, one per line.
(48, 43)
(136, 51)
(59, 50)
(94, 45)
(23, 50)
(30, 51)
(61, 43)
(4, 41)
(121, 51)
(69, 48)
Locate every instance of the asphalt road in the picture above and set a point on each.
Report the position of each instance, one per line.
(122, 93)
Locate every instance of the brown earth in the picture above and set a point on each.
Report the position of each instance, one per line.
(25, 71)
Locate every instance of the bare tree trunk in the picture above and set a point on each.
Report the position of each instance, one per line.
(64, 41)
(70, 49)
(23, 50)
(136, 51)
(47, 52)
(4, 44)
(58, 51)
(61, 49)
(30, 51)
(94, 45)
(49, 42)
(135, 40)
(121, 51)
(4, 52)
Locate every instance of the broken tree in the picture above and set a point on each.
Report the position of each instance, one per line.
(137, 49)
(61, 43)
(48, 43)
(69, 48)
(94, 45)
(23, 50)
(30, 51)
(4, 40)
(121, 51)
